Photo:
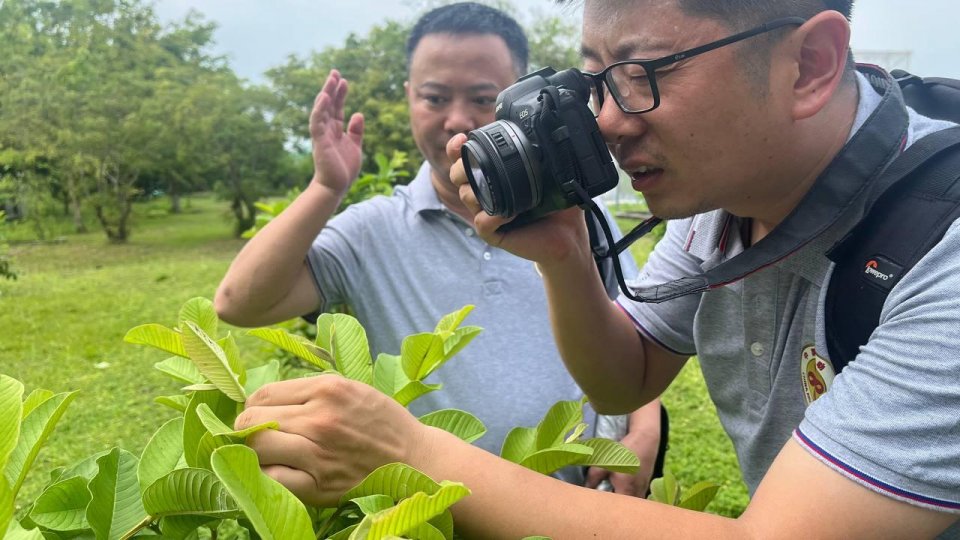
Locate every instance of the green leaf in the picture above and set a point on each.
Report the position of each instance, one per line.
(371, 504)
(389, 378)
(86, 468)
(115, 506)
(181, 369)
(562, 417)
(699, 496)
(395, 480)
(410, 513)
(162, 453)
(450, 322)
(414, 390)
(462, 424)
(232, 352)
(189, 491)
(274, 512)
(208, 444)
(200, 312)
(665, 489)
(262, 375)
(519, 443)
(158, 337)
(178, 402)
(298, 346)
(16, 532)
(557, 457)
(11, 413)
(346, 340)
(34, 431)
(183, 527)
(219, 434)
(420, 354)
(460, 338)
(35, 398)
(444, 524)
(576, 433)
(212, 361)
(6, 503)
(62, 506)
(611, 455)
(193, 428)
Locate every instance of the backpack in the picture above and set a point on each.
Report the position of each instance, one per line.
(906, 221)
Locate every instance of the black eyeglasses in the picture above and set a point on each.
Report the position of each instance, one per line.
(633, 83)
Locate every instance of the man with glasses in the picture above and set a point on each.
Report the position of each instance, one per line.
(745, 124)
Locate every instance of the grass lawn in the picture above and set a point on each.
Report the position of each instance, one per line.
(63, 322)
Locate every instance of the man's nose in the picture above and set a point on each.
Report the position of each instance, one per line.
(616, 125)
(459, 119)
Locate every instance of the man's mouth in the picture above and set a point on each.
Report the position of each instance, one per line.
(644, 177)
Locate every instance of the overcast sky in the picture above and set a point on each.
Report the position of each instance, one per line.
(258, 34)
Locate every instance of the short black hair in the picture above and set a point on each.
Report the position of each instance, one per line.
(741, 14)
(472, 18)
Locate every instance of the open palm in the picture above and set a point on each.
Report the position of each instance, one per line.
(336, 152)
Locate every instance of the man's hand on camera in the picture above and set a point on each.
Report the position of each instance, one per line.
(336, 153)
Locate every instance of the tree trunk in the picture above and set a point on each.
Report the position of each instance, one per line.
(73, 200)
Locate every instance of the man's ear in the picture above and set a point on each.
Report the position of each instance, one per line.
(820, 51)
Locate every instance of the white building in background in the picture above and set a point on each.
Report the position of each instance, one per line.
(888, 60)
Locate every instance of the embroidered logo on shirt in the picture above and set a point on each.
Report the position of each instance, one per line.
(816, 374)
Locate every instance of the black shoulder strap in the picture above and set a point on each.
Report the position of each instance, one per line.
(905, 222)
(934, 97)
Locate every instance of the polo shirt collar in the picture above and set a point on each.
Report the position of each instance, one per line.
(423, 196)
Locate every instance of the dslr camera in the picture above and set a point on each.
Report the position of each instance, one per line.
(544, 151)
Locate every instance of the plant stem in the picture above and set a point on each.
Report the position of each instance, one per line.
(328, 523)
(137, 528)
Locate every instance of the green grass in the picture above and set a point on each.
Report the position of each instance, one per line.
(64, 320)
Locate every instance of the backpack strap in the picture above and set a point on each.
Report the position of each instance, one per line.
(933, 97)
(907, 220)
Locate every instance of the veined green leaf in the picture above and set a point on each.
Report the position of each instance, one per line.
(11, 412)
(371, 504)
(232, 352)
(395, 480)
(162, 453)
(450, 322)
(158, 337)
(611, 455)
(346, 340)
(559, 420)
(262, 375)
(211, 361)
(6, 503)
(189, 491)
(699, 496)
(35, 398)
(202, 387)
(34, 431)
(193, 428)
(462, 424)
(208, 444)
(86, 468)
(388, 376)
(178, 402)
(200, 312)
(576, 433)
(414, 390)
(410, 513)
(665, 489)
(62, 506)
(184, 527)
(181, 369)
(16, 532)
(444, 524)
(420, 354)
(519, 443)
(557, 457)
(115, 506)
(219, 434)
(344, 534)
(298, 346)
(424, 531)
(275, 513)
(458, 340)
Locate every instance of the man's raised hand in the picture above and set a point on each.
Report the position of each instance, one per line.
(336, 152)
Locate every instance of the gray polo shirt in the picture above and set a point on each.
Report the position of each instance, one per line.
(402, 262)
(890, 421)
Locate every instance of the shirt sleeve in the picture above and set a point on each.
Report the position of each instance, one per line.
(334, 258)
(891, 420)
(670, 323)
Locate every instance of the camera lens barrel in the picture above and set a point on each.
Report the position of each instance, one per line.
(500, 166)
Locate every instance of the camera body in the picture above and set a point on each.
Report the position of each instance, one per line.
(544, 151)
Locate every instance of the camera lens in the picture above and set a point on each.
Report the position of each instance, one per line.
(498, 160)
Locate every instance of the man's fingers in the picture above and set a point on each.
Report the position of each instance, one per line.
(453, 146)
(594, 476)
(624, 484)
(340, 98)
(355, 127)
(302, 484)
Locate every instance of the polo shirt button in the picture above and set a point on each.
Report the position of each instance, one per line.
(487, 256)
(757, 349)
(468, 231)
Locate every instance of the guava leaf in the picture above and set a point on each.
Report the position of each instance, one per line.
(298, 346)
(275, 513)
(557, 457)
(562, 417)
(371, 504)
(611, 455)
(451, 321)
(699, 496)
(62, 506)
(115, 505)
(519, 443)
(193, 429)
(199, 311)
(162, 453)
(388, 376)
(414, 390)
(262, 375)
(16, 532)
(410, 513)
(189, 491)
(460, 338)
(232, 352)
(460, 423)
(181, 369)
(346, 340)
(665, 489)
(217, 427)
(35, 398)
(576, 433)
(11, 413)
(183, 527)
(35, 429)
(177, 402)
(395, 480)
(210, 359)
(420, 354)
(157, 336)
(6, 504)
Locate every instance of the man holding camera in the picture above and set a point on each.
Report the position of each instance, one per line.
(731, 117)
(402, 262)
